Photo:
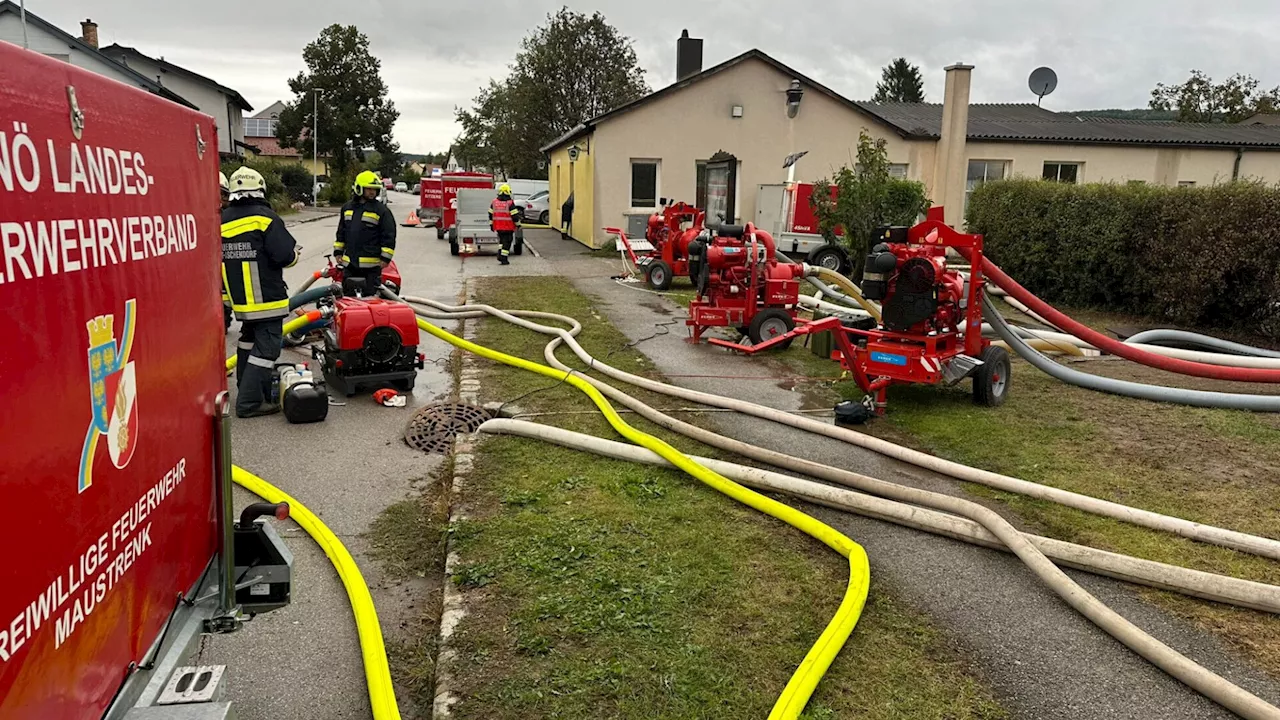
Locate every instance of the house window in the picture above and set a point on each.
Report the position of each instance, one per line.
(644, 183)
(898, 170)
(983, 171)
(1062, 172)
(1186, 183)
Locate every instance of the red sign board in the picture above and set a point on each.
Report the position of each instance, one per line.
(109, 366)
(802, 217)
(455, 181)
(432, 193)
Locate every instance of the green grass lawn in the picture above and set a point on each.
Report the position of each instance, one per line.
(603, 589)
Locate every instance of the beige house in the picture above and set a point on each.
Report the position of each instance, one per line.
(756, 111)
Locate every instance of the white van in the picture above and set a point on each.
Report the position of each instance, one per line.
(522, 189)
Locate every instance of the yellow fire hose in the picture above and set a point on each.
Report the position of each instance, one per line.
(382, 696)
(801, 686)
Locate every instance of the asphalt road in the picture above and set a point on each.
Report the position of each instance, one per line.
(1044, 660)
(303, 661)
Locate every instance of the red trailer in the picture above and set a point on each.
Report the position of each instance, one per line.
(431, 204)
(450, 184)
(114, 427)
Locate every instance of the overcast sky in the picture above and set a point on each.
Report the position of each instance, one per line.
(435, 55)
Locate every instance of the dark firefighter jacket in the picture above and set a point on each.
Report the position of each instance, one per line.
(366, 233)
(504, 214)
(256, 248)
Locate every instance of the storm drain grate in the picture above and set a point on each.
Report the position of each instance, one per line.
(434, 427)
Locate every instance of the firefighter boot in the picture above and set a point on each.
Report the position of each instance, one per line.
(252, 400)
(502, 258)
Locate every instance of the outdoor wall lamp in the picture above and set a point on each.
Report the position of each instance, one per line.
(794, 93)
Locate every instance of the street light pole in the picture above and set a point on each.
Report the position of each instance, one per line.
(315, 144)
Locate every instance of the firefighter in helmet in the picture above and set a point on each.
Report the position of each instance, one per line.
(256, 248)
(366, 239)
(226, 299)
(504, 218)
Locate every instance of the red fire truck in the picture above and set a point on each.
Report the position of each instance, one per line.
(450, 183)
(118, 540)
(784, 211)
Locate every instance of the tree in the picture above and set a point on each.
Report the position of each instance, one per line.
(900, 81)
(1200, 99)
(866, 197)
(355, 114)
(571, 68)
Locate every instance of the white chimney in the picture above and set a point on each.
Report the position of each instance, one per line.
(950, 166)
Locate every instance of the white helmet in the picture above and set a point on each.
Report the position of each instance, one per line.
(226, 184)
(246, 179)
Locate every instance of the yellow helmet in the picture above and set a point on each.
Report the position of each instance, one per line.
(366, 179)
(247, 179)
(226, 184)
(504, 189)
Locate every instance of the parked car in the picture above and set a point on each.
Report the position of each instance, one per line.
(388, 183)
(417, 188)
(537, 208)
(402, 187)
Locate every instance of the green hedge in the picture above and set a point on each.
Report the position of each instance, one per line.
(1203, 257)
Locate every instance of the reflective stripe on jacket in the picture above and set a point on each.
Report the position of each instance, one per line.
(366, 233)
(503, 212)
(256, 248)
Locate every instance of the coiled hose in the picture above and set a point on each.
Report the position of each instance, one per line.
(805, 679)
(1174, 663)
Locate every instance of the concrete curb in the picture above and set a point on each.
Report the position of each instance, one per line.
(452, 608)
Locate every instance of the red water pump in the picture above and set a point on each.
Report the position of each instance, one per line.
(669, 231)
(931, 326)
(741, 284)
(371, 342)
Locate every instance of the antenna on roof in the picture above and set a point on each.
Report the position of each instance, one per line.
(1043, 81)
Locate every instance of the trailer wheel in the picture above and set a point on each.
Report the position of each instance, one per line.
(991, 379)
(439, 232)
(517, 244)
(659, 275)
(830, 257)
(770, 323)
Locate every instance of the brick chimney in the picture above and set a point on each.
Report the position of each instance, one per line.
(89, 33)
(950, 167)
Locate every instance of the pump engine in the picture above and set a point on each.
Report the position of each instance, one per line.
(919, 294)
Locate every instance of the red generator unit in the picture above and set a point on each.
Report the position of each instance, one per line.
(371, 343)
(741, 284)
(669, 232)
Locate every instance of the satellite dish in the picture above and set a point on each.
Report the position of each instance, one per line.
(1043, 81)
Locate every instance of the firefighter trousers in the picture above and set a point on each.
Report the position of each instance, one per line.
(506, 237)
(256, 356)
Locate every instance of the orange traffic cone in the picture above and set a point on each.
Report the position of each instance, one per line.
(412, 220)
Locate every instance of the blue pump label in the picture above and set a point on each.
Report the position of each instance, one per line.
(889, 359)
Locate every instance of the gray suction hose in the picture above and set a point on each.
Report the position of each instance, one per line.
(1207, 683)
(1208, 586)
(1253, 544)
(1178, 396)
(1208, 342)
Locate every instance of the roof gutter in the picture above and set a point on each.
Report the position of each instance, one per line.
(1235, 169)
